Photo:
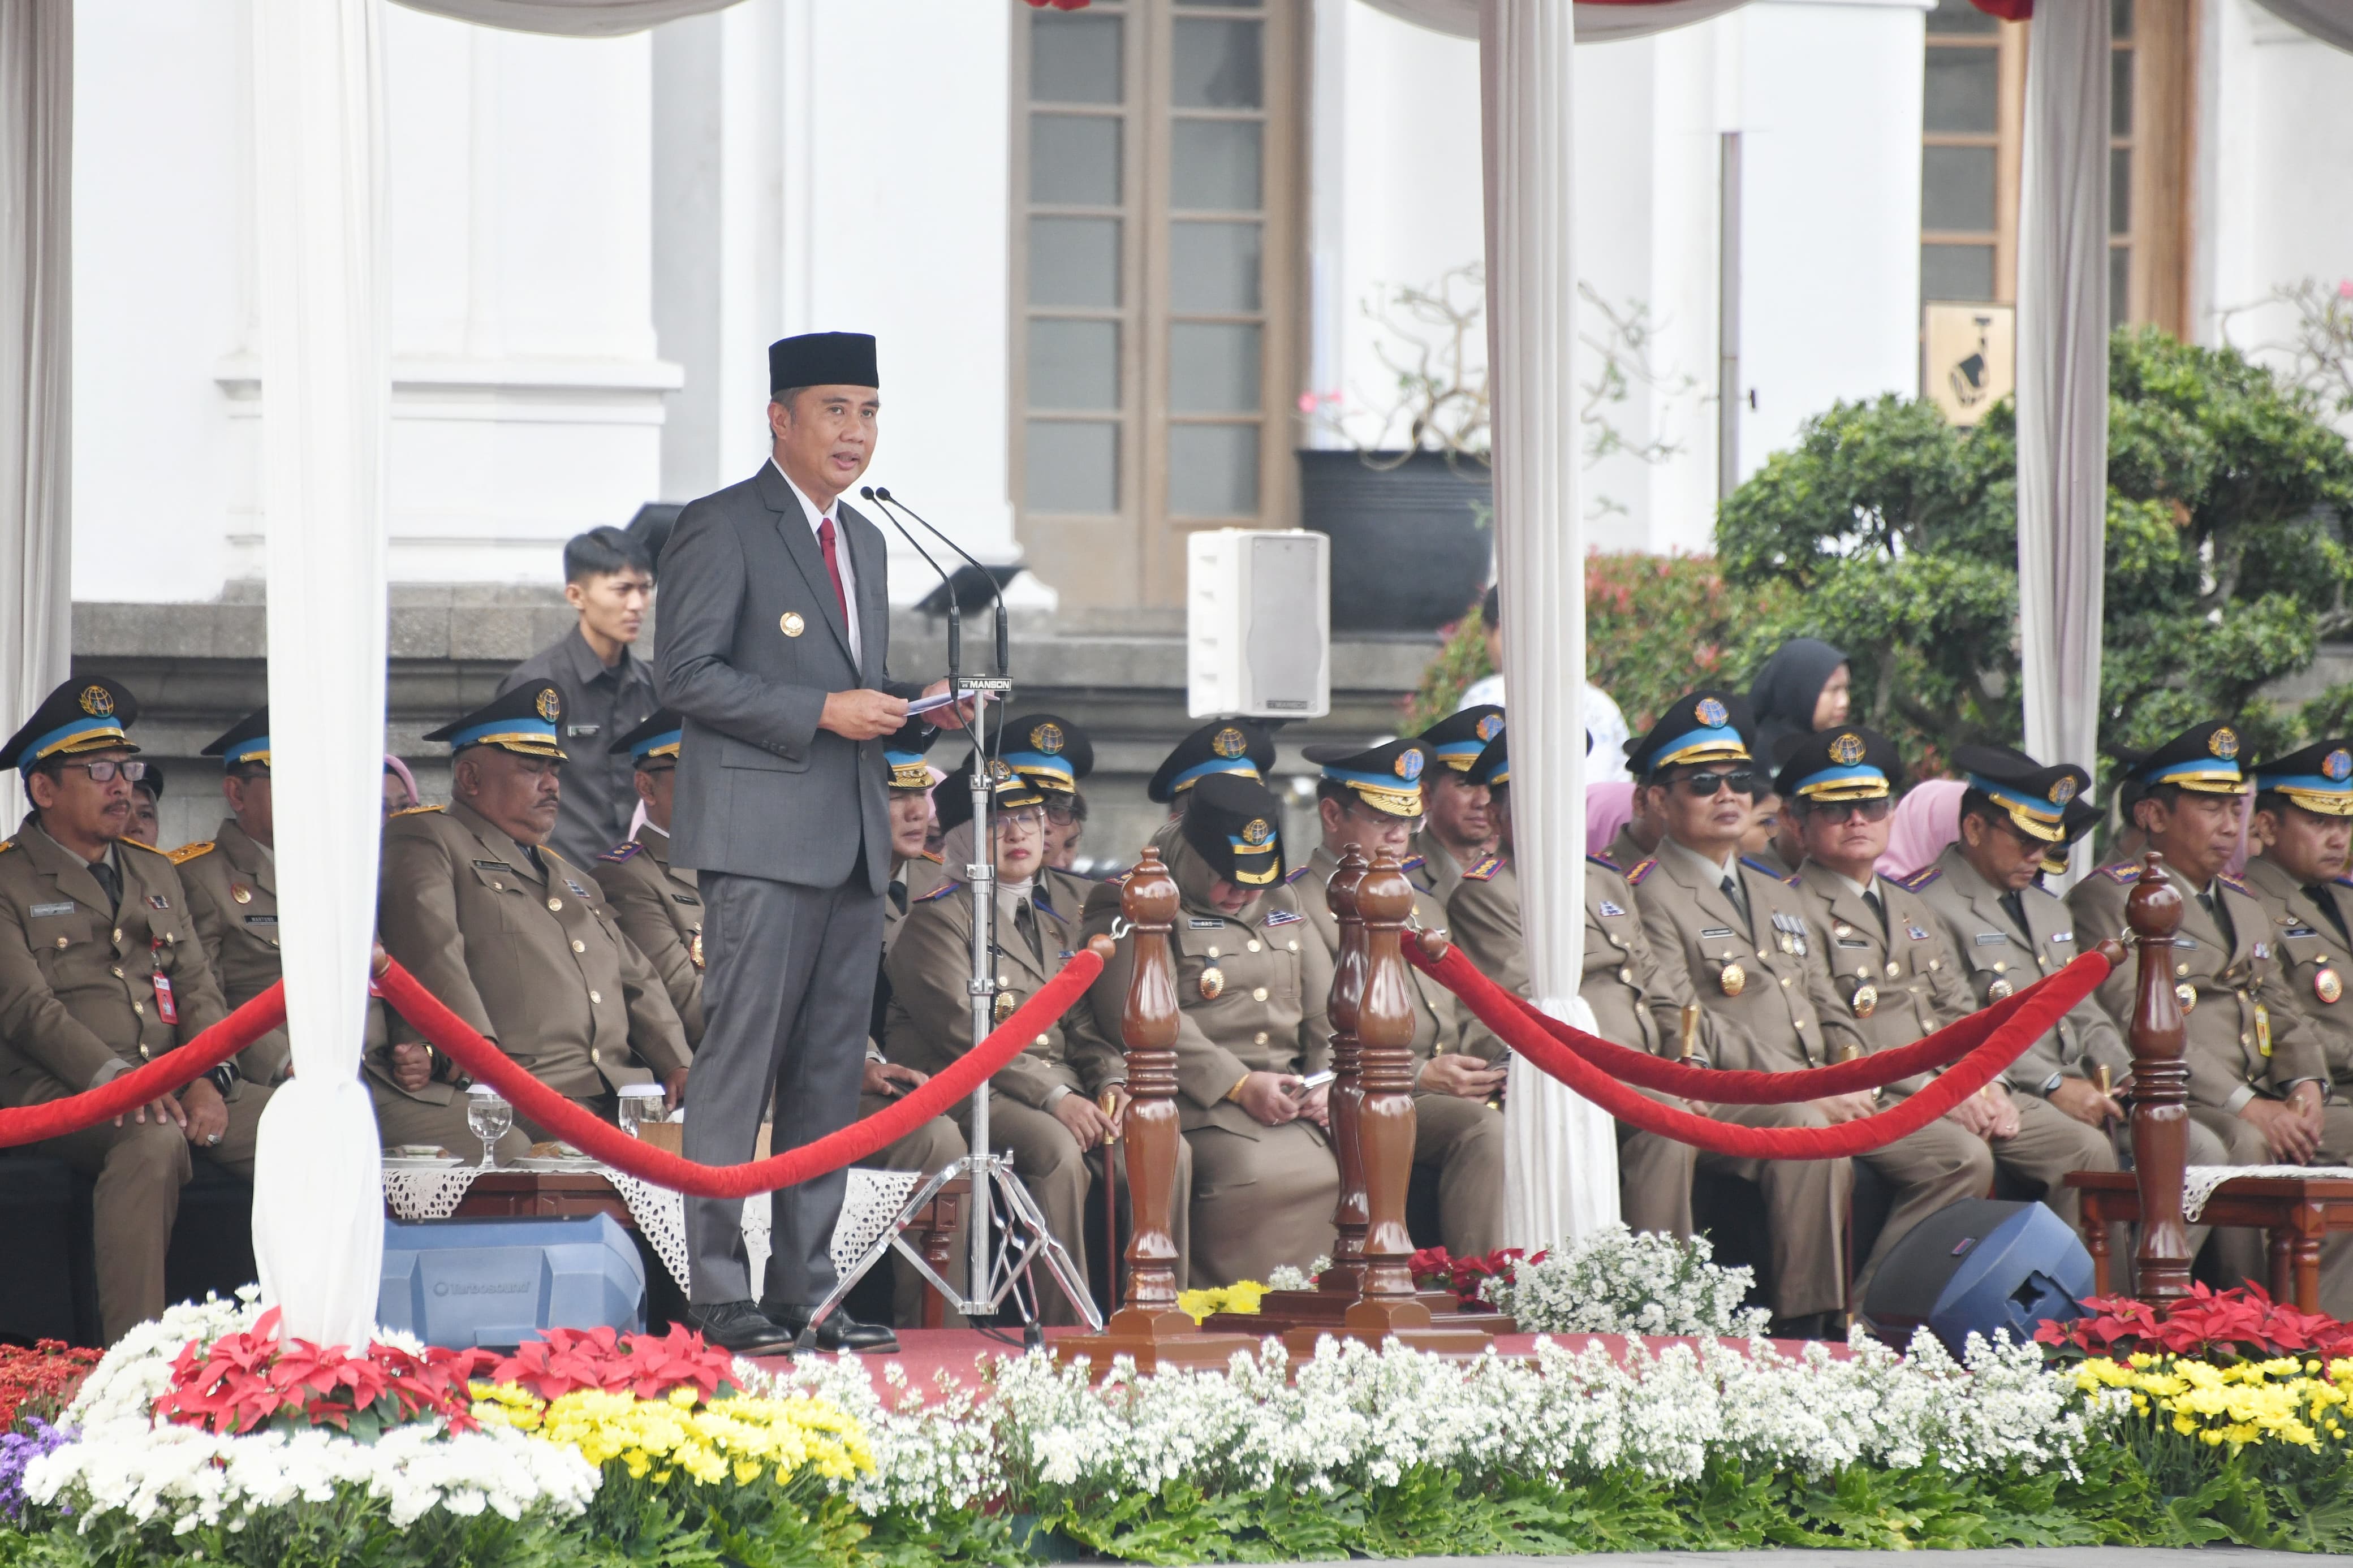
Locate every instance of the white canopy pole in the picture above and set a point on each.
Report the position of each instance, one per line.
(1560, 1163)
(2063, 380)
(318, 1219)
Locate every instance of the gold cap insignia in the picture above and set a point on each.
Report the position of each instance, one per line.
(1229, 742)
(97, 700)
(1046, 738)
(1409, 766)
(1847, 751)
(1256, 831)
(2062, 792)
(550, 706)
(2224, 742)
(1710, 712)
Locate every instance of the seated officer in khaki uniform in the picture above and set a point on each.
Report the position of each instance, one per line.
(658, 906)
(1053, 754)
(1371, 801)
(1220, 746)
(1251, 987)
(100, 970)
(1461, 822)
(232, 882)
(1891, 962)
(511, 938)
(1739, 934)
(1636, 1001)
(1045, 1104)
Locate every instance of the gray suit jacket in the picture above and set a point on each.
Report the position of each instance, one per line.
(761, 791)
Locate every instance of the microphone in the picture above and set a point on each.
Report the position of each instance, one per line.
(955, 618)
(1003, 641)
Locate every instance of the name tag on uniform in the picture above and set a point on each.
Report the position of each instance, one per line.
(1197, 923)
(684, 898)
(492, 866)
(581, 732)
(1711, 933)
(2301, 930)
(1282, 917)
(1989, 939)
(1852, 942)
(2062, 936)
(1610, 910)
(2185, 941)
(67, 907)
(262, 920)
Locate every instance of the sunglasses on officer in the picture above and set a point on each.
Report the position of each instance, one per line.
(1704, 786)
(1875, 809)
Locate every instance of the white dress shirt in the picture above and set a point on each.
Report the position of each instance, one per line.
(840, 554)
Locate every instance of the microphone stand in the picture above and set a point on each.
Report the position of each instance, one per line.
(990, 1275)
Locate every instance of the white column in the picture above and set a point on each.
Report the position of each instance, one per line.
(2063, 379)
(318, 1222)
(1561, 1152)
(36, 354)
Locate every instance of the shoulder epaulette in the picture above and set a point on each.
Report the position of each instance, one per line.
(1413, 862)
(935, 856)
(151, 849)
(1295, 875)
(2121, 871)
(1634, 878)
(622, 851)
(187, 852)
(1484, 871)
(418, 810)
(1759, 867)
(2340, 881)
(7, 844)
(2235, 885)
(1602, 857)
(1917, 879)
(2042, 890)
(942, 892)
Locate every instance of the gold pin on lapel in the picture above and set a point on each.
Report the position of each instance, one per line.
(791, 624)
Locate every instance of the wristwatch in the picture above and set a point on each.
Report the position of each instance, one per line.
(224, 1079)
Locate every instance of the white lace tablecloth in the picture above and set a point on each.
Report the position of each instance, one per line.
(2197, 1182)
(427, 1191)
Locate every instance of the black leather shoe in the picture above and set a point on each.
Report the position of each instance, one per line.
(839, 1332)
(740, 1327)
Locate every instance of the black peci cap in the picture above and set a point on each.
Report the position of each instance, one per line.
(822, 359)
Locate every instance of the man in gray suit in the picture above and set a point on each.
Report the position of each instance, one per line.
(773, 647)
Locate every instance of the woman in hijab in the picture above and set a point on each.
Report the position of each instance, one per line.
(1804, 687)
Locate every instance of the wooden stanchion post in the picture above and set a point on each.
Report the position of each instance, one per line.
(1346, 1275)
(2160, 1087)
(1150, 1329)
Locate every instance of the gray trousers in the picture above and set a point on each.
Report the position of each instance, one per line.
(785, 1000)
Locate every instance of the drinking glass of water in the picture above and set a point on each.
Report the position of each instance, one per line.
(488, 1116)
(638, 1104)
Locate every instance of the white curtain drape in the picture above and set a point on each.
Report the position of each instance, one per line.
(1560, 1160)
(2330, 21)
(1594, 24)
(2063, 379)
(35, 357)
(569, 18)
(318, 1219)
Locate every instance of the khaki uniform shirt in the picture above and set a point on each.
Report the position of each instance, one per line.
(232, 883)
(2243, 1036)
(1262, 1012)
(1764, 977)
(1624, 853)
(1773, 862)
(659, 907)
(2316, 959)
(1897, 983)
(533, 961)
(1997, 958)
(1432, 867)
(929, 1023)
(1439, 1020)
(1066, 893)
(78, 994)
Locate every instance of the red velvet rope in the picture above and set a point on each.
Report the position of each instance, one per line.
(458, 1040)
(2048, 1003)
(174, 1070)
(1721, 1086)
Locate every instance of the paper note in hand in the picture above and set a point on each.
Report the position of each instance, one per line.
(923, 705)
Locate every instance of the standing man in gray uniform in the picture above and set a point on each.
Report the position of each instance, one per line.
(773, 647)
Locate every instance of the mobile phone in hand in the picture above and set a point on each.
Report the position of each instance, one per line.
(1312, 1082)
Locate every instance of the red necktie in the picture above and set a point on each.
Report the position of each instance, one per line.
(832, 566)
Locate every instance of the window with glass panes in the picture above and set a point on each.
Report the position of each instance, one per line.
(1152, 278)
(1972, 118)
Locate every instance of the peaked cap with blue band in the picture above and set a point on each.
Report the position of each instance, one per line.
(1493, 767)
(1387, 777)
(903, 750)
(1236, 826)
(2078, 819)
(1048, 750)
(1849, 762)
(2202, 759)
(1009, 791)
(521, 721)
(1696, 728)
(654, 744)
(243, 742)
(1459, 738)
(1219, 746)
(2318, 778)
(86, 713)
(2035, 798)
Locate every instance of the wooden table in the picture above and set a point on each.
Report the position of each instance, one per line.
(2299, 1212)
(582, 1194)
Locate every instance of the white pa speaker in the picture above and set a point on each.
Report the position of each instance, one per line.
(1258, 623)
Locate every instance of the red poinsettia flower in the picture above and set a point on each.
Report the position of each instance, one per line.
(2243, 1324)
